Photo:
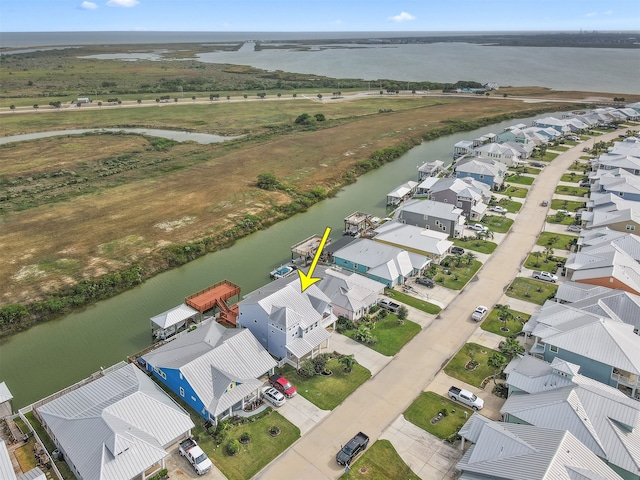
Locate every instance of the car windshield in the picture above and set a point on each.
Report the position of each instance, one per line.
(201, 458)
(473, 397)
(286, 385)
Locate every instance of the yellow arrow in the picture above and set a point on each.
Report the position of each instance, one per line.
(307, 279)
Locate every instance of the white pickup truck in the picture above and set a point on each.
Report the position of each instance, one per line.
(546, 276)
(466, 397)
(196, 457)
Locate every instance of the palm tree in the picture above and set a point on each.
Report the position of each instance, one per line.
(511, 347)
(13, 108)
(548, 252)
(497, 361)
(347, 361)
(470, 257)
(504, 313)
(537, 254)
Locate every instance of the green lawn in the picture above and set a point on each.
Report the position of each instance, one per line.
(581, 166)
(327, 392)
(427, 406)
(548, 156)
(557, 241)
(569, 205)
(259, 451)
(572, 177)
(413, 301)
(380, 462)
(472, 243)
(470, 351)
(520, 179)
(525, 169)
(391, 335)
(540, 263)
(513, 325)
(511, 205)
(518, 192)
(562, 148)
(456, 276)
(572, 191)
(531, 290)
(560, 218)
(497, 223)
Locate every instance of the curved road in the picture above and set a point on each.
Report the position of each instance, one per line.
(377, 403)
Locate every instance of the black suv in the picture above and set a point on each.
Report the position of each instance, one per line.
(426, 281)
(457, 250)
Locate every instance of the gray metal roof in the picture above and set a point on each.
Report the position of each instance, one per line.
(5, 394)
(117, 426)
(601, 417)
(430, 208)
(174, 315)
(348, 290)
(303, 345)
(413, 237)
(526, 452)
(6, 468)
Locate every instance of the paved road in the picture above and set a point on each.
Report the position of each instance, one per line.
(379, 401)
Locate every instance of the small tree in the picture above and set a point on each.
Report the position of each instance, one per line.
(307, 369)
(319, 363)
(470, 257)
(347, 362)
(548, 253)
(140, 100)
(511, 347)
(497, 361)
(537, 255)
(268, 181)
(233, 447)
(402, 313)
(13, 108)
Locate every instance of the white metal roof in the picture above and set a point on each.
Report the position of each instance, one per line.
(413, 238)
(116, 426)
(174, 315)
(303, 345)
(5, 394)
(6, 468)
(430, 208)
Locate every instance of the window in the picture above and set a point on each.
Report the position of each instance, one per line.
(553, 348)
(459, 204)
(630, 228)
(181, 392)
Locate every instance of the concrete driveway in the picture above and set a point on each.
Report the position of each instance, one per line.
(302, 413)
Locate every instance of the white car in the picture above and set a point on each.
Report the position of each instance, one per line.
(478, 227)
(499, 209)
(565, 212)
(574, 228)
(273, 396)
(479, 313)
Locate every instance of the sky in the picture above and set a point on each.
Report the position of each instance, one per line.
(318, 16)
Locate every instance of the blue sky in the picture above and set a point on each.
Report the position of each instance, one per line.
(314, 15)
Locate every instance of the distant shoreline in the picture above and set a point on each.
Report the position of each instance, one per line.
(597, 39)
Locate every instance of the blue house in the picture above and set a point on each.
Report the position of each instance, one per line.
(215, 370)
(489, 172)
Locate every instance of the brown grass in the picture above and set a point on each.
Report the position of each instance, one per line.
(127, 217)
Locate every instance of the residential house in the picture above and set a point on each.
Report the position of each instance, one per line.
(215, 370)
(6, 468)
(560, 125)
(606, 349)
(437, 216)
(618, 182)
(590, 240)
(509, 451)
(605, 420)
(605, 265)
(624, 220)
(462, 148)
(423, 189)
(489, 172)
(172, 321)
(401, 193)
(468, 194)
(430, 169)
(380, 262)
(423, 241)
(351, 294)
(290, 324)
(118, 427)
(501, 152)
(607, 162)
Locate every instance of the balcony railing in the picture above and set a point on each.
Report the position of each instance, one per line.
(629, 381)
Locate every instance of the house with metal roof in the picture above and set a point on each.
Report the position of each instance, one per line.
(487, 171)
(430, 169)
(214, 369)
(380, 262)
(423, 241)
(117, 427)
(605, 420)
(172, 321)
(438, 216)
(351, 294)
(5, 400)
(600, 239)
(290, 324)
(509, 451)
(468, 194)
(401, 193)
(500, 152)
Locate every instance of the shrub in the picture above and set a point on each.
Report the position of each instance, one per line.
(381, 314)
(233, 447)
(307, 369)
(344, 324)
(374, 308)
(245, 437)
(319, 363)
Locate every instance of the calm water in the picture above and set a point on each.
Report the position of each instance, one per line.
(50, 356)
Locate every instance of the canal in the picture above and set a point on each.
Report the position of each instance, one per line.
(50, 356)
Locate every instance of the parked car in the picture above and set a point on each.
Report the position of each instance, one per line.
(499, 209)
(585, 184)
(537, 164)
(348, 453)
(546, 276)
(466, 397)
(273, 396)
(426, 281)
(574, 228)
(457, 250)
(564, 212)
(544, 203)
(479, 313)
(389, 305)
(478, 227)
(283, 385)
(196, 457)
(573, 138)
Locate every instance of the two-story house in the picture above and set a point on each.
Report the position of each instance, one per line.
(489, 172)
(467, 194)
(438, 216)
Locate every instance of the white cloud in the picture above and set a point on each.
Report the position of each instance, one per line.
(591, 14)
(608, 12)
(403, 17)
(88, 6)
(122, 3)
(337, 22)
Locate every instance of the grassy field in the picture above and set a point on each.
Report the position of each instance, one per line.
(531, 290)
(390, 334)
(573, 176)
(518, 192)
(413, 301)
(569, 205)
(497, 223)
(540, 263)
(520, 179)
(327, 392)
(557, 241)
(513, 325)
(480, 246)
(380, 462)
(456, 276)
(427, 406)
(511, 205)
(470, 352)
(572, 191)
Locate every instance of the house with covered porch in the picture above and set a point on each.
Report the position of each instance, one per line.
(290, 324)
(214, 369)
